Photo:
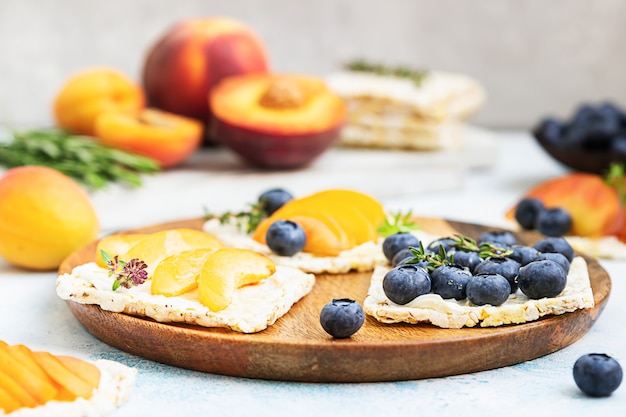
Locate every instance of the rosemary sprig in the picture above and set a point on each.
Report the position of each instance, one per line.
(126, 274)
(398, 223)
(79, 157)
(485, 249)
(417, 76)
(246, 219)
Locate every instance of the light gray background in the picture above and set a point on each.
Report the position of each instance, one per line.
(534, 56)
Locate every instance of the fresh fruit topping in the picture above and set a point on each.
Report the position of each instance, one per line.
(157, 246)
(523, 254)
(178, 274)
(398, 223)
(44, 217)
(597, 374)
(594, 205)
(285, 238)
(116, 245)
(541, 279)
(226, 270)
(554, 222)
(491, 289)
(527, 211)
(555, 244)
(450, 281)
(466, 259)
(394, 243)
(499, 238)
(125, 274)
(505, 267)
(445, 242)
(272, 200)
(405, 283)
(341, 318)
(554, 257)
(401, 256)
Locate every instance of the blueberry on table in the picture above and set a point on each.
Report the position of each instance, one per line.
(405, 283)
(541, 279)
(285, 238)
(506, 267)
(493, 289)
(554, 222)
(555, 257)
(449, 281)
(467, 259)
(527, 211)
(342, 317)
(503, 238)
(272, 200)
(396, 242)
(597, 374)
(523, 254)
(555, 244)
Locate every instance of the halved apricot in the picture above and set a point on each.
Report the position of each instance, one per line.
(116, 245)
(155, 247)
(179, 273)
(371, 208)
(225, 270)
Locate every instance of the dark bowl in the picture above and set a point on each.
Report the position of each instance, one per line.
(596, 161)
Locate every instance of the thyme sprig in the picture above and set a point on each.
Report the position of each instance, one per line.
(616, 178)
(245, 219)
(485, 249)
(433, 259)
(126, 274)
(398, 223)
(417, 76)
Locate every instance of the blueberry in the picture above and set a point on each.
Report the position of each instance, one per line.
(491, 289)
(341, 318)
(541, 279)
(549, 131)
(506, 267)
(526, 212)
(449, 281)
(504, 239)
(555, 244)
(467, 259)
(523, 254)
(396, 242)
(402, 256)
(405, 283)
(446, 242)
(597, 374)
(555, 257)
(584, 115)
(272, 200)
(554, 222)
(618, 147)
(285, 237)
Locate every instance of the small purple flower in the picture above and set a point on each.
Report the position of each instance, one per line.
(132, 272)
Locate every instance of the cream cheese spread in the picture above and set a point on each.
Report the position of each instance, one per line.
(450, 313)
(116, 383)
(253, 308)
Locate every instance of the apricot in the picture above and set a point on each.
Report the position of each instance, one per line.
(276, 120)
(228, 269)
(91, 92)
(44, 217)
(165, 137)
(182, 67)
(116, 245)
(179, 273)
(40, 389)
(63, 376)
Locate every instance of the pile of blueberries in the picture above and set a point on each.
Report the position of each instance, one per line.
(531, 214)
(538, 271)
(593, 127)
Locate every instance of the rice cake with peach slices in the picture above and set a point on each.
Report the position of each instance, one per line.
(211, 287)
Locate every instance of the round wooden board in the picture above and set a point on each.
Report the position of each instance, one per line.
(296, 348)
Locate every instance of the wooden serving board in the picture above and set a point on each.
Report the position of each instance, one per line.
(296, 348)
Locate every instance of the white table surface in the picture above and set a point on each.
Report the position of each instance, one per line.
(31, 313)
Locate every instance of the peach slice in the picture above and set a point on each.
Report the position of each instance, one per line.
(178, 274)
(116, 245)
(15, 390)
(369, 206)
(226, 270)
(8, 403)
(63, 376)
(86, 371)
(41, 390)
(157, 246)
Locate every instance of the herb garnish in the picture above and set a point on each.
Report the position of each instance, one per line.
(417, 76)
(79, 157)
(616, 179)
(126, 274)
(398, 223)
(248, 219)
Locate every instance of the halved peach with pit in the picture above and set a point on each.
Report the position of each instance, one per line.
(276, 120)
(165, 137)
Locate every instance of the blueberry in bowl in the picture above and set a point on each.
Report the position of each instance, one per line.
(589, 141)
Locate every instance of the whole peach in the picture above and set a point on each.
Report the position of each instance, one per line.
(92, 92)
(193, 56)
(44, 217)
